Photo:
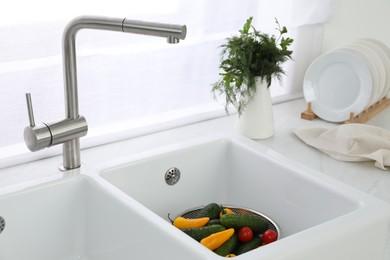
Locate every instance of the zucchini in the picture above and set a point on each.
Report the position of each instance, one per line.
(200, 233)
(248, 246)
(211, 210)
(257, 223)
(228, 246)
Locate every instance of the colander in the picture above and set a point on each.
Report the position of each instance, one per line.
(192, 213)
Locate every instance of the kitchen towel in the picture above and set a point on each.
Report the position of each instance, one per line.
(350, 142)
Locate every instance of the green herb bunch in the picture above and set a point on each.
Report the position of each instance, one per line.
(247, 56)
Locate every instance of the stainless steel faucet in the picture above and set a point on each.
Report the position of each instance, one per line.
(68, 131)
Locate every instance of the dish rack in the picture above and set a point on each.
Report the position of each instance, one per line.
(362, 117)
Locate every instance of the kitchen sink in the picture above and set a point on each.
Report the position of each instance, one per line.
(319, 217)
(75, 218)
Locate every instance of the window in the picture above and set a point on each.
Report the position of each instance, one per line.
(126, 81)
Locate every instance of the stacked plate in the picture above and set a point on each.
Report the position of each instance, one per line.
(348, 79)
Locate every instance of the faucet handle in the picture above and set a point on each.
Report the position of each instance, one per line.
(36, 137)
(30, 110)
(44, 135)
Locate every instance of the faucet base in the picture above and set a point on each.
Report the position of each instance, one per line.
(71, 154)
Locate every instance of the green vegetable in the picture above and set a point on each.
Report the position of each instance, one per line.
(257, 223)
(200, 233)
(227, 247)
(214, 222)
(211, 210)
(253, 244)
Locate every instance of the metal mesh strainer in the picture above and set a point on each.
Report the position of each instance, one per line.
(191, 213)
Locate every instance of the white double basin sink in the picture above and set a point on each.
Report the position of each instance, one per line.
(118, 210)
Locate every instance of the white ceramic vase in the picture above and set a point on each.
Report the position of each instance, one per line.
(257, 121)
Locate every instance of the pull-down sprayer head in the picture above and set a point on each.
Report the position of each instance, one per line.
(174, 33)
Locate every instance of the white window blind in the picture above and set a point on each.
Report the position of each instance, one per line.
(130, 81)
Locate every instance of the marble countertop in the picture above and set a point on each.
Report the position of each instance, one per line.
(360, 175)
(363, 176)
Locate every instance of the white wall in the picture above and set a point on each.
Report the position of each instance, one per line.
(356, 19)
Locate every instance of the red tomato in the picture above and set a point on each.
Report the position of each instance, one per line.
(269, 236)
(245, 234)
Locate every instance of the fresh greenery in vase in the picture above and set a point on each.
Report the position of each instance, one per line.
(247, 56)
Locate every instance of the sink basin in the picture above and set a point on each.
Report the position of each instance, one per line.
(75, 218)
(319, 217)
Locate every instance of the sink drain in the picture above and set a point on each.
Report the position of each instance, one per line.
(172, 176)
(2, 224)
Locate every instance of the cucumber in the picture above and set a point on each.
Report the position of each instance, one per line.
(258, 224)
(214, 222)
(248, 246)
(228, 246)
(211, 210)
(200, 233)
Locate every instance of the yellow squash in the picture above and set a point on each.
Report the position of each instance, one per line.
(181, 222)
(226, 211)
(216, 240)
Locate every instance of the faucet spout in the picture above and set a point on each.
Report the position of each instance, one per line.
(178, 32)
(172, 40)
(172, 32)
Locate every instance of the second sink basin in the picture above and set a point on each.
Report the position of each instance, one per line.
(319, 218)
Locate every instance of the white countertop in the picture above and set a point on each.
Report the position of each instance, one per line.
(363, 176)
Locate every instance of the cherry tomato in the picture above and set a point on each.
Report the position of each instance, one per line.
(245, 234)
(269, 236)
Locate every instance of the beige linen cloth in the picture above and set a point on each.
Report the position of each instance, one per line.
(350, 142)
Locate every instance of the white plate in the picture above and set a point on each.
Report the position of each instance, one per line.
(337, 83)
(371, 67)
(385, 56)
(375, 65)
(382, 64)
